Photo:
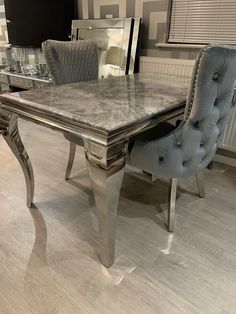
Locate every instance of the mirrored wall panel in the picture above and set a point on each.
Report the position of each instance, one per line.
(117, 40)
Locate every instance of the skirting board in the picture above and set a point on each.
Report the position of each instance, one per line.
(225, 158)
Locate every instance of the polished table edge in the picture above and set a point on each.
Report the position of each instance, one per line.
(15, 105)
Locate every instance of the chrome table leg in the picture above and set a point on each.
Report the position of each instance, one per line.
(9, 130)
(106, 170)
(70, 160)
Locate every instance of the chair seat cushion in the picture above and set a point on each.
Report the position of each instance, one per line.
(162, 129)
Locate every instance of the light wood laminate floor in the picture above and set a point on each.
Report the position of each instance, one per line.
(48, 262)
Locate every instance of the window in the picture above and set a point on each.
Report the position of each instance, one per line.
(203, 21)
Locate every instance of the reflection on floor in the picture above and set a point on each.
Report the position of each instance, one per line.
(48, 260)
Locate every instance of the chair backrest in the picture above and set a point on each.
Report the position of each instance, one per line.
(208, 106)
(191, 146)
(71, 61)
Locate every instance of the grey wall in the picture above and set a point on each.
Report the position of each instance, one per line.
(154, 16)
(3, 30)
(153, 13)
(3, 26)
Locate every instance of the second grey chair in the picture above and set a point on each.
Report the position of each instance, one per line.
(70, 62)
(190, 147)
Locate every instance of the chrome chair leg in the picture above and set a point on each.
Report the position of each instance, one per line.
(70, 160)
(172, 201)
(210, 165)
(200, 184)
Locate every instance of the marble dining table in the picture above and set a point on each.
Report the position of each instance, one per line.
(105, 113)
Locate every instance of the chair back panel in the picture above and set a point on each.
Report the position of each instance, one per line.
(191, 146)
(71, 61)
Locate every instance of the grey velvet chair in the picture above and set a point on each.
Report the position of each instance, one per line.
(190, 147)
(70, 62)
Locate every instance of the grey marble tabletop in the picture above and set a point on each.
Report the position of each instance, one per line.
(107, 104)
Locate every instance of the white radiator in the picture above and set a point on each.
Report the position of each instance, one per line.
(229, 138)
(167, 66)
(184, 68)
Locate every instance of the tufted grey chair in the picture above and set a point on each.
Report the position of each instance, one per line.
(190, 147)
(70, 62)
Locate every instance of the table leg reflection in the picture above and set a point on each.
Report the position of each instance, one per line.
(106, 170)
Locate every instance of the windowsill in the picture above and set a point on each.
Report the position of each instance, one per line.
(183, 46)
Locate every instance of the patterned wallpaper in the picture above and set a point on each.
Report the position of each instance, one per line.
(3, 26)
(154, 17)
(154, 27)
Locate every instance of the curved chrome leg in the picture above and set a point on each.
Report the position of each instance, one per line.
(200, 184)
(9, 130)
(70, 160)
(106, 170)
(172, 201)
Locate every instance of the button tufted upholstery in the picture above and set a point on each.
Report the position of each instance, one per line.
(192, 145)
(71, 61)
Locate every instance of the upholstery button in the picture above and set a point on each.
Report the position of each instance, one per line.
(201, 144)
(161, 158)
(178, 143)
(215, 76)
(184, 163)
(196, 124)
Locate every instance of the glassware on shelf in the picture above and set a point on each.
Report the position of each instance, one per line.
(18, 56)
(43, 70)
(18, 66)
(28, 65)
(11, 65)
(27, 61)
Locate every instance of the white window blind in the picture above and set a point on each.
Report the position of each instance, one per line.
(203, 21)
